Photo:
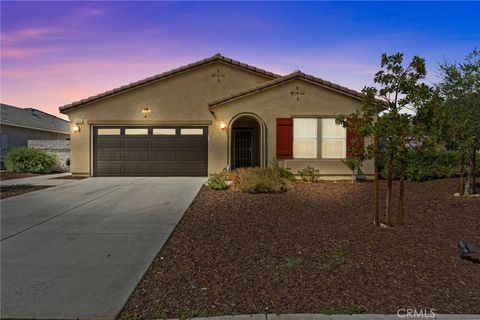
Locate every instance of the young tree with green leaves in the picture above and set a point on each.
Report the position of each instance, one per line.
(384, 118)
(460, 89)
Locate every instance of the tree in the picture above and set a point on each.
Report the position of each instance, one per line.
(364, 124)
(385, 120)
(460, 89)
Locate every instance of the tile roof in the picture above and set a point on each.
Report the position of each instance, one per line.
(292, 76)
(216, 57)
(32, 118)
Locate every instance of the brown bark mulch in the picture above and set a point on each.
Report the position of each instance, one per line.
(11, 191)
(5, 175)
(69, 178)
(314, 249)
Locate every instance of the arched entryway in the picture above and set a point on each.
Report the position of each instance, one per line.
(247, 136)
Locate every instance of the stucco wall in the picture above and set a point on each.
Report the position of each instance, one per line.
(180, 99)
(183, 99)
(278, 102)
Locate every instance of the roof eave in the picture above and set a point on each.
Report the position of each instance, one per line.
(5, 123)
(165, 75)
(294, 76)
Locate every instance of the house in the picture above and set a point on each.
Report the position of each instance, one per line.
(20, 125)
(212, 114)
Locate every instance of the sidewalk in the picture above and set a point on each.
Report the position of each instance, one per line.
(342, 317)
(42, 180)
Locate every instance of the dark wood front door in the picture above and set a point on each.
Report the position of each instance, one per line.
(243, 143)
(150, 151)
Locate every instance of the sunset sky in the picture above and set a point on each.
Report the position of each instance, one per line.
(54, 53)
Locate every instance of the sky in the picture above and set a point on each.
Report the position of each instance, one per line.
(55, 53)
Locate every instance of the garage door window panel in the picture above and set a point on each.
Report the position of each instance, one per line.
(164, 131)
(136, 131)
(109, 132)
(191, 131)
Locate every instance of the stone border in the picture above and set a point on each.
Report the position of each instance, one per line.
(339, 317)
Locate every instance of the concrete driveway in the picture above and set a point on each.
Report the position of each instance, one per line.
(79, 250)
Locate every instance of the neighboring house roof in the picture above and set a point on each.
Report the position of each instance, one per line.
(292, 76)
(217, 57)
(32, 119)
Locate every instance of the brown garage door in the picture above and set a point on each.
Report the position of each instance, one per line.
(150, 151)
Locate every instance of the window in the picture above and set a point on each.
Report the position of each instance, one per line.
(4, 141)
(164, 131)
(136, 131)
(109, 132)
(333, 140)
(191, 131)
(305, 138)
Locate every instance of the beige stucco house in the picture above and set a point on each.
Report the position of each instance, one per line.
(215, 113)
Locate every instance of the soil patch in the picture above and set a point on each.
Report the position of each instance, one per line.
(5, 175)
(314, 249)
(11, 191)
(69, 178)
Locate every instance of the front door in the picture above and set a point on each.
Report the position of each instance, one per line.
(242, 140)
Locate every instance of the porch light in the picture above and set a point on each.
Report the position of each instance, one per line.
(146, 112)
(223, 125)
(76, 129)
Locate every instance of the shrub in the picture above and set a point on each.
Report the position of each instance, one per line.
(309, 174)
(282, 171)
(217, 182)
(30, 160)
(435, 163)
(260, 180)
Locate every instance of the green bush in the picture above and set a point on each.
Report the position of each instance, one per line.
(309, 174)
(260, 180)
(30, 160)
(282, 171)
(217, 182)
(427, 165)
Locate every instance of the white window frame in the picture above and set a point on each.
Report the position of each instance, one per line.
(324, 137)
(297, 137)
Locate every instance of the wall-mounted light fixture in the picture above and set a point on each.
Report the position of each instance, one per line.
(223, 126)
(146, 112)
(76, 125)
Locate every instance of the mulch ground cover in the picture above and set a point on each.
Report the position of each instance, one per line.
(11, 191)
(314, 249)
(5, 175)
(69, 178)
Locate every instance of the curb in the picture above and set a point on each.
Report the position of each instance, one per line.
(342, 317)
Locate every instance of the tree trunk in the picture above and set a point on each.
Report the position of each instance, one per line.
(376, 184)
(470, 176)
(401, 193)
(388, 213)
(462, 171)
(474, 169)
(376, 214)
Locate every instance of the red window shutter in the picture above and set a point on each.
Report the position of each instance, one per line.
(284, 138)
(355, 143)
